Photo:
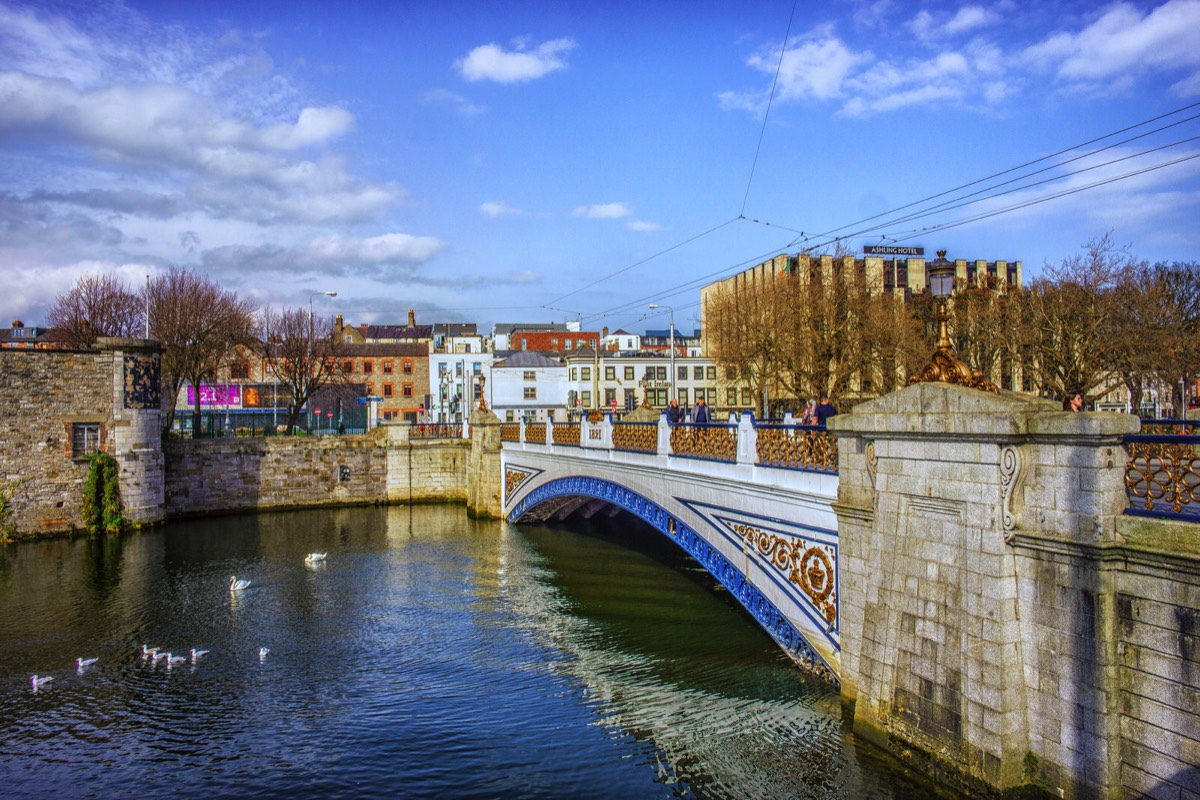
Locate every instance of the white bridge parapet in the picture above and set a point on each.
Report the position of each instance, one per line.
(768, 534)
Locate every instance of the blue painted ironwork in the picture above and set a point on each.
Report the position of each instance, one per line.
(760, 607)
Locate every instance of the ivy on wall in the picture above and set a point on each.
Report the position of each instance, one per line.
(102, 508)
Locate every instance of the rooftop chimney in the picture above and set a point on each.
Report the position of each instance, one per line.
(412, 318)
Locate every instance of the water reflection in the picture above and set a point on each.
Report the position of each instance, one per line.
(429, 656)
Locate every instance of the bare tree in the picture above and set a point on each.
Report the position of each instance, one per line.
(746, 329)
(197, 323)
(303, 355)
(97, 305)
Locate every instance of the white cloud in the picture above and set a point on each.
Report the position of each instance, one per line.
(459, 103)
(496, 209)
(1124, 42)
(927, 27)
(329, 255)
(641, 226)
(603, 211)
(494, 63)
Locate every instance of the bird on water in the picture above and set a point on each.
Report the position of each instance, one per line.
(86, 662)
(236, 586)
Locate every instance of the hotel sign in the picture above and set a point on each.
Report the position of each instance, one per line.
(892, 250)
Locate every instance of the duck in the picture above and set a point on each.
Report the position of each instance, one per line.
(197, 653)
(40, 681)
(314, 558)
(236, 586)
(86, 662)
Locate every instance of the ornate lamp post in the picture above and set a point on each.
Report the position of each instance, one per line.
(945, 366)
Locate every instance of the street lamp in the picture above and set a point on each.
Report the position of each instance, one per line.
(945, 367)
(671, 314)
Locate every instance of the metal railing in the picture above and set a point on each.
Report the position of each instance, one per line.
(1162, 472)
(566, 433)
(436, 430)
(713, 441)
(635, 437)
(796, 447)
(510, 431)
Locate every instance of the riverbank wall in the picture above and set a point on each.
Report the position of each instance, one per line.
(222, 476)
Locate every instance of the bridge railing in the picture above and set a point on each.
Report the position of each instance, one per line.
(436, 430)
(741, 441)
(1162, 470)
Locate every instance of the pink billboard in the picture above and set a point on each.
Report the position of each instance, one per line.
(220, 394)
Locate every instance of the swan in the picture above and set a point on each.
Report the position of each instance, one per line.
(262, 652)
(175, 659)
(235, 585)
(313, 558)
(197, 653)
(154, 658)
(36, 681)
(149, 651)
(86, 662)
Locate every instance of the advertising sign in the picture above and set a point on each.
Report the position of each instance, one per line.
(220, 394)
(892, 250)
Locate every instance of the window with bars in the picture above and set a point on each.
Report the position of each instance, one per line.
(85, 439)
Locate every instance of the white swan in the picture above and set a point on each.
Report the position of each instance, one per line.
(86, 662)
(149, 651)
(197, 653)
(175, 659)
(262, 652)
(36, 681)
(314, 558)
(154, 658)
(236, 586)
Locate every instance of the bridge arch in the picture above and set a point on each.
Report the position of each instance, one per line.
(535, 504)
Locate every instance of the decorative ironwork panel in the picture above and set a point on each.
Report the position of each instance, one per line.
(510, 431)
(566, 433)
(1162, 474)
(436, 430)
(807, 565)
(797, 447)
(713, 442)
(536, 433)
(637, 437)
(142, 387)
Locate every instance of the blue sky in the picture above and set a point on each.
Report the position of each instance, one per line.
(538, 161)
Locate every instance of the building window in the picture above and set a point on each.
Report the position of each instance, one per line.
(477, 367)
(387, 390)
(389, 415)
(662, 373)
(406, 366)
(649, 374)
(610, 373)
(630, 399)
(85, 439)
(531, 393)
(574, 374)
(554, 342)
(569, 341)
(731, 397)
(710, 373)
(585, 373)
(529, 375)
(509, 416)
(683, 397)
(587, 399)
(407, 390)
(328, 367)
(368, 367)
(610, 397)
(681, 373)
(523, 347)
(387, 368)
(712, 396)
(349, 339)
(745, 397)
(441, 369)
(348, 367)
(239, 371)
(697, 373)
(629, 373)
(660, 397)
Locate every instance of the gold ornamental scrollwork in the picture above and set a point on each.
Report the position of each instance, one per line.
(638, 438)
(510, 431)
(715, 442)
(1163, 471)
(809, 567)
(512, 479)
(946, 368)
(797, 448)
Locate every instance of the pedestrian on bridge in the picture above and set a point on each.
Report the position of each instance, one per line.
(700, 413)
(824, 410)
(675, 412)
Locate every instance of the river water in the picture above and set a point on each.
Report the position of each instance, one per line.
(429, 656)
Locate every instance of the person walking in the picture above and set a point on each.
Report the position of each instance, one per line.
(810, 413)
(675, 412)
(824, 410)
(700, 413)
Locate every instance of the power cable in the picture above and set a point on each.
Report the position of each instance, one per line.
(767, 112)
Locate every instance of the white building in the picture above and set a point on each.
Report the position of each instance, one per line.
(454, 376)
(530, 385)
(596, 380)
(622, 340)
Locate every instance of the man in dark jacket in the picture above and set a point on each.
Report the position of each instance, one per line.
(675, 412)
(700, 413)
(825, 410)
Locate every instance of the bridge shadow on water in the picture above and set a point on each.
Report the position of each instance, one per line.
(687, 636)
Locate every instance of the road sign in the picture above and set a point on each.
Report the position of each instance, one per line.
(362, 401)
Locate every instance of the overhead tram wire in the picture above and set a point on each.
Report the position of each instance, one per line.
(1064, 151)
(767, 112)
(951, 205)
(905, 235)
